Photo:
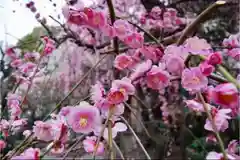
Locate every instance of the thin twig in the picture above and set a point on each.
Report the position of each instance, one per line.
(139, 100)
(138, 140)
(142, 124)
(113, 18)
(71, 148)
(101, 134)
(31, 81)
(190, 28)
(118, 150)
(149, 35)
(213, 125)
(48, 149)
(110, 138)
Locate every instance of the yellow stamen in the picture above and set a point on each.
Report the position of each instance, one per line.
(122, 90)
(83, 122)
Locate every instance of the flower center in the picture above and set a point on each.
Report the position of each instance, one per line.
(155, 79)
(226, 98)
(117, 96)
(122, 90)
(83, 122)
(195, 80)
(124, 63)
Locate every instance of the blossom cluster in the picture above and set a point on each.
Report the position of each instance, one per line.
(233, 44)
(27, 64)
(26, 68)
(100, 23)
(160, 18)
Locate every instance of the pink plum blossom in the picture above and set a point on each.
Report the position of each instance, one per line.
(27, 67)
(174, 64)
(90, 143)
(214, 58)
(135, 40)
(234, 53)
(2, 145)
(193, 79)
(123, 61)
(59, 129)
(49, 46)
(97, 20)
(220, 119)
(15, 112)
(42, 130)
(232, 146)
(196, 46)
(31, 56)
(157, 78)
(116, 127)
(206, 69)
(97, 92)
(176, 50)
(156, 13)
(124, 85)
(116, 110)
(217, 156)
(116, 96)
(151, 52)
(30, 153)
(195, 106)
(141, 69)
(172, 12)
(122, 28)
(65, 111)
(16, 63)
(232, 41)
(13, 96)
(10, 52)
(16, 124)
(225, 95)
(27, 133)
(83, 118)
(76, 17)
(4, 125)
(108, 31)
(13, 100)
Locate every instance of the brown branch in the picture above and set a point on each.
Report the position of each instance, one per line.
(191, 28)
(113, 18)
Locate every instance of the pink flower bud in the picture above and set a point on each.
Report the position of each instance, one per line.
(206, 69)
(214, 58)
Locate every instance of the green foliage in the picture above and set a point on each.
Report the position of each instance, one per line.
(30, 41)
(197, 149)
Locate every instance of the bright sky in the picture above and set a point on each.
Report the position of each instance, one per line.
(23, 21)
